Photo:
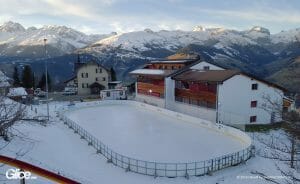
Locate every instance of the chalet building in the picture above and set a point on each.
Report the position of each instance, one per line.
(151, 79)
(208, 91)
(89, 78)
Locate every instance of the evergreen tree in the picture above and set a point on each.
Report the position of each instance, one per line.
(33, 80)
(113, 74)
(16, 78)
(27, 81)
(42, 82)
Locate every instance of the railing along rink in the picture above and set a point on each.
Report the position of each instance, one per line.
(160, 169)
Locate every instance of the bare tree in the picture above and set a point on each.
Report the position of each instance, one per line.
(10, 113)
(282, 150)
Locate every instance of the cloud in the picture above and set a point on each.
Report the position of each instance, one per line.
(62, 8)
(270, 15)
(103, 16)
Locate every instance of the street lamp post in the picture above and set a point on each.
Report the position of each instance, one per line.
(46, 70)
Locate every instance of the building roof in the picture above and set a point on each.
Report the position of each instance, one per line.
(115, 82)
(70, 79)
(19, 91)
(206, 76)
(216, 76)
(78, 65)
(96, 85)
(172, 61)
(154, 72)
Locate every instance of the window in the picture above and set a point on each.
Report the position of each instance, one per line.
(206, 68)
(108, 94)
(96, 70)
(254, 86)
(84, 75)
(100, 70)
(253, 104)
(85, 85)
(96, 79)
(103, 78)
(252, 119)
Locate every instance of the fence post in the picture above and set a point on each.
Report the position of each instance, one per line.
(128, 168)
(155, 173)
(186, 172)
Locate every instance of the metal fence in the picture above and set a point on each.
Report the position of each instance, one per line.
(158, 169)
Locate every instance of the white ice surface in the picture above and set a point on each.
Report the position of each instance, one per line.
(147, 135)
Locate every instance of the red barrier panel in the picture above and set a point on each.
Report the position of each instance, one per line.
(36, 170)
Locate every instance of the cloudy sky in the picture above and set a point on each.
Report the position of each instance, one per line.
(104, 16)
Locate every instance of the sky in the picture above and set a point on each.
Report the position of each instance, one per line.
(105, 16)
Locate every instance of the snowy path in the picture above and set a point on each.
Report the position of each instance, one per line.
(151, 136)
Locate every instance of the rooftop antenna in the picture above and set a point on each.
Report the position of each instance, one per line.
(46, 71)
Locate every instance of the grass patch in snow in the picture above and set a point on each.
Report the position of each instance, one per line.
(263, 128)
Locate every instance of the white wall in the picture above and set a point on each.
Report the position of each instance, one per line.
(235, 96)
(152, 100)
(90, 68)
(200, 66)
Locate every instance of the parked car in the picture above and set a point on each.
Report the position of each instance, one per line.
(70, 91)
(39, 93)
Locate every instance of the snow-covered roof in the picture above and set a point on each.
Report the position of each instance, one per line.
(172, 61)
(115, 82)
(151, 72)
(3, 80)
(19, 91)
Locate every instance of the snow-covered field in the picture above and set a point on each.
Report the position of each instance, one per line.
(57, 148)
(148, 135)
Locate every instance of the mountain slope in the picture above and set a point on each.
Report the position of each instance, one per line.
(289, 76)
(15, 40)
(254, 51)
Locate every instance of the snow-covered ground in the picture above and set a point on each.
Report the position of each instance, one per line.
(57, 148)
(148, 135)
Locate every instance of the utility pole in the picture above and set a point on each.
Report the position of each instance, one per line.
(46, 70)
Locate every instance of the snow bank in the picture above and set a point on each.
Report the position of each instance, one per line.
(20, 91)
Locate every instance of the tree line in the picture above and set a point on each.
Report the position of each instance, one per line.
(27, 79)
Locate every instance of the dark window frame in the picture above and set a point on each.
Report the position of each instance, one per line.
(254, 86)
(253, 119)
(253, 104)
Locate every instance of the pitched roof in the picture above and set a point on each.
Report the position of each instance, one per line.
(19, 91)
(70, 79)
(172, 61)
(206, 76)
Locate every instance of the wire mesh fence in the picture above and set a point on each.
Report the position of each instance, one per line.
(158, 169)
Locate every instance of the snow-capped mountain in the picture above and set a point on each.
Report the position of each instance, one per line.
(140, 42)
(254, 50)
(15, 40)
(248, 49)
